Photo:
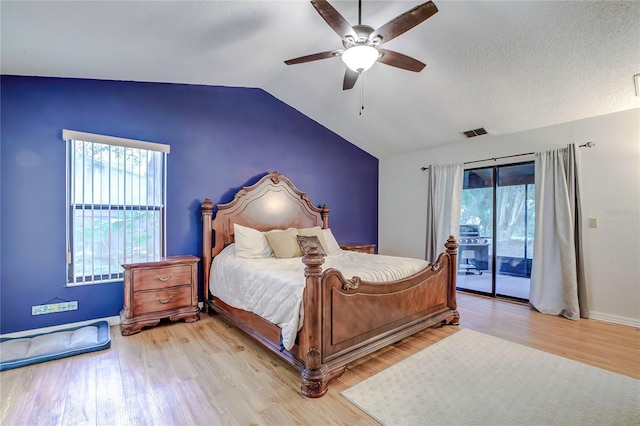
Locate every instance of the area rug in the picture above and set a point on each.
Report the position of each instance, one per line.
(471, 378)
(22, 351)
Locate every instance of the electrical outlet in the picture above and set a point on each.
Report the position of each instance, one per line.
(593, 222)
(54, 307)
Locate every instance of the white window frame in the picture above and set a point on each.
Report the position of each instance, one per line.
(124, 202)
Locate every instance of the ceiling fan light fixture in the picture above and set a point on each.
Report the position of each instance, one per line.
(360, 58)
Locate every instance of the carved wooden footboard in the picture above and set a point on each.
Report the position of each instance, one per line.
(345, 318)
(358, 317)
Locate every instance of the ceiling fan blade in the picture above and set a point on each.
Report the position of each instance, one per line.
(350, 78)
(403, 23)
(398, 60)
(334, 19)
(314, 57)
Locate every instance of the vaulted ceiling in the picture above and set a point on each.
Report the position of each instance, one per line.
(506, 66)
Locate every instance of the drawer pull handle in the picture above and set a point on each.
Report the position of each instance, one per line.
(165, 301)
(164, 280)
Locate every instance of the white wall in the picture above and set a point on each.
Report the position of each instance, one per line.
(610, 192)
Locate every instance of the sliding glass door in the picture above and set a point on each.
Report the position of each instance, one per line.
(496, 230)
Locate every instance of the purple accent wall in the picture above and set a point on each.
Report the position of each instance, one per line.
(221, 139)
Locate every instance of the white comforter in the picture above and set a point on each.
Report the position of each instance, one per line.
(272, 288)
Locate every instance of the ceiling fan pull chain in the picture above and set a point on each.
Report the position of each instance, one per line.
(361, 95)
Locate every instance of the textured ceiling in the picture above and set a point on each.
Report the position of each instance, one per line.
(506, 66)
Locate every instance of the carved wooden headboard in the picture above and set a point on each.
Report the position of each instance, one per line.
(271, 203)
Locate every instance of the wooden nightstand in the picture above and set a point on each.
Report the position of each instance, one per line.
(364, 248)
(166, 288)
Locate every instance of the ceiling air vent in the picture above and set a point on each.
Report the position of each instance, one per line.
(476, 132)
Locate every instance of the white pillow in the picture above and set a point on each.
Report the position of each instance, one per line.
(332, 245)
(251, 243)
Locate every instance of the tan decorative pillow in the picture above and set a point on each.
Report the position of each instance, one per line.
(306, 242)
(284, 243)
(316, 231)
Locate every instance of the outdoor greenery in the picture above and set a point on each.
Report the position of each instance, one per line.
(104, 239)
(514, 203)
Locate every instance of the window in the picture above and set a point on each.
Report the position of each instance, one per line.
(116, 192)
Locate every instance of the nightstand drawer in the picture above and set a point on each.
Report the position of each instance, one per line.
(161, 300)
(158, 278)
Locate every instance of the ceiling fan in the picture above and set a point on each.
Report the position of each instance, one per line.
(361, 42)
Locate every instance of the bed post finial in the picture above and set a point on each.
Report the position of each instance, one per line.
(452, 246)
(324, 213)
(207, 206)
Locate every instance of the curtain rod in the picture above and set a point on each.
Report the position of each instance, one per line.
(587, 145)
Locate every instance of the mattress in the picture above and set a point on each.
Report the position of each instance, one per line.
(272, 288)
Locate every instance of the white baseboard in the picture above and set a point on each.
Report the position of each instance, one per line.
(110, 320)
(633, 322)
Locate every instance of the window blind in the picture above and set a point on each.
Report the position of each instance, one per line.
(116, 193)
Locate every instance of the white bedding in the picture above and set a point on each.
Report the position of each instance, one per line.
(272, 288)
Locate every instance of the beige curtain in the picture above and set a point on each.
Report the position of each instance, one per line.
(443, 206)
(557, 275)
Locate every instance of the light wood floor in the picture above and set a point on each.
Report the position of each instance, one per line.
(209, 373)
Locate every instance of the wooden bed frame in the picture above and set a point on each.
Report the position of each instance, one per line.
(344, 318)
